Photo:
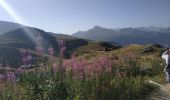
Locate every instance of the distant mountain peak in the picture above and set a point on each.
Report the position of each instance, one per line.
(97, 27)
(126, 36)
(79, 31)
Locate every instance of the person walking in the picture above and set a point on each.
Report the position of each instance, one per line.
(166, 57)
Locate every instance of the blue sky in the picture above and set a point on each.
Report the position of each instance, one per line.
(70, 16)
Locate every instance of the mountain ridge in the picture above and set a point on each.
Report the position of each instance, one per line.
(13, 40)
(6, 26)
(127, 36)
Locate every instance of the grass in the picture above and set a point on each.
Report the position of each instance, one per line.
(159, 79)
(126, 80)
(104, 86)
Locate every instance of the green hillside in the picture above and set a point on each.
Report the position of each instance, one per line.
(21, 38)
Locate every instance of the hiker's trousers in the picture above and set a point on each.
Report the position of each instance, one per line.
(167, 72)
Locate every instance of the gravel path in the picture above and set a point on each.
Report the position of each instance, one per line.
(162, 93)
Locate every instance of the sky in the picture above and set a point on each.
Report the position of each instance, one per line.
(70, 16)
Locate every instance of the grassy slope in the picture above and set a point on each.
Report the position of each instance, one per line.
(118, 87)
(149, 60)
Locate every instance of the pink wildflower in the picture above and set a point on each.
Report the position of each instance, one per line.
(1, 77)
(63, 50)
(39, 46)
(10, 76)
(39, 49)
(51, 51)
(61, 43)
(1, 65)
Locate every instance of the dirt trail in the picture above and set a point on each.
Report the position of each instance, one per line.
(162, 93)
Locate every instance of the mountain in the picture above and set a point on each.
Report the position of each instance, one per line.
(8, 26)
(26, 38)
(126, 36)
(62, 36)
(155, 29)
(97, 33)
(84, 45)
(20, 38)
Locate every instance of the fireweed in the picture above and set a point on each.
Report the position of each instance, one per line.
(1, 65)
(39, 45)
(58, 89)
(50, 51)
(34, 81)
(80, 66)
(74, 79)
(26, 57)
(52, 84)
(10, 76)
(62, 50)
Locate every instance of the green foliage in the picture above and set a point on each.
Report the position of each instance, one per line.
(123, 82)
(63, 86)
(132, 67)
(36, 83)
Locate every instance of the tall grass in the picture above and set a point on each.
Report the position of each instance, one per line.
(104, 85)
(79, 79)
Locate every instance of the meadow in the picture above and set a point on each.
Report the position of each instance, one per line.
(120, 74)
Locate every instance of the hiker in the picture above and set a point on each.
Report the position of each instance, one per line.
(166, 57)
